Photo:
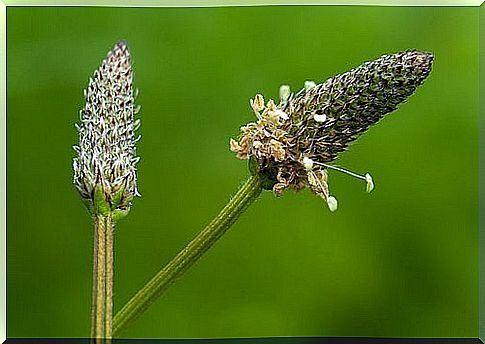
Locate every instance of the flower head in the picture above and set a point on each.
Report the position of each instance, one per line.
(105, 165)
(321, 120)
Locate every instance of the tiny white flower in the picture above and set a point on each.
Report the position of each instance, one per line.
(332, 203)
(319, 118)
(370, 183)
(307, 163)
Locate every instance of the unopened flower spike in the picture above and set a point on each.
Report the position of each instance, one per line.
(321, 120)
(105, 165)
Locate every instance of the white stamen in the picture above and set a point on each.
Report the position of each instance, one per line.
(341, 170)
(367, 177)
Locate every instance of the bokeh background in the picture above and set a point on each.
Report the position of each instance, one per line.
(401, 261)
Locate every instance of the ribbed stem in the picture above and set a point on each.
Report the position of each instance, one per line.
(95, 282)
(102, 303)
(99, 290)
(108, 320)
(139, 303)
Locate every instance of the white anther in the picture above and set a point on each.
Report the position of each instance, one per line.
(309, 84)
(319, 118)
(370, 183)
(332, 203)
(307, 163)
(285, 93)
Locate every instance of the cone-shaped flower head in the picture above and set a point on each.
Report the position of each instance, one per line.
(292, 143)
(105, 165)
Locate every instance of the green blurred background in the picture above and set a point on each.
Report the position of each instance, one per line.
(401, 261)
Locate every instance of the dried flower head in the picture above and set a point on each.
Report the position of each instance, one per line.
(105, 165)
(292, 143)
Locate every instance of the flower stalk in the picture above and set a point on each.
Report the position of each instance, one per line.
(138, 304)
(108, 319)
(99, 266)
(98, 325)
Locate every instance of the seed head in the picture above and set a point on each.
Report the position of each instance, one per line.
(321, 120)
(105, 165)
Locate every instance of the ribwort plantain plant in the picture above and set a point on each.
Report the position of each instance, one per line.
(290, 145)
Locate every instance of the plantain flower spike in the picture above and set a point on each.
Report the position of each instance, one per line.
(296, 149)
(105, 165)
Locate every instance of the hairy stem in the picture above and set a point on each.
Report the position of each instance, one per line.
(102, 303)
(95, 282)
(108, 321)
(99, 290)
(139, 303)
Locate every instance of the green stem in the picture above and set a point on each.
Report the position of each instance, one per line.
(102, 303)
(99, 274)
(108, 318)
(139, 303)
(95, 282)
